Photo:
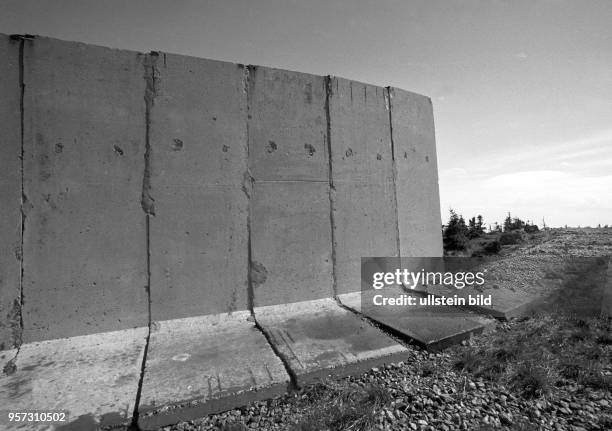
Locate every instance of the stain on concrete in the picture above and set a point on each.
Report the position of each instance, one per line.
(18, 387)
(405, 155)
(308, 92)
(18, 251)
(9, 367)
(177, 144)
(272, 147)
(225, 148)
(82, 423)
(329, 357)
(327, 327)
(349, 152)
(247, 184)
(310, 150)
(112, 419)
(49, 201)
(59, 147)
(14, 322)
(231, 306)
(378, 156)
(118, 150)
(427, 159)
(259, 274)
(181, 357)
(150, 76)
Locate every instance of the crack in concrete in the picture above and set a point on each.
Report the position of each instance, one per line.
(394, 168)
(148, 207)
(332, 189)
(17, 333)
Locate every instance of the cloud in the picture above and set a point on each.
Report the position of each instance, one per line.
(588, 155)
(560, 197)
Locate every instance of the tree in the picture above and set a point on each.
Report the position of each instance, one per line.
(508, 223)
(479, 225)
(455, 234)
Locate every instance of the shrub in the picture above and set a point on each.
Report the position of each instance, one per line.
(455, 234)
(508, 238)
(531, 228)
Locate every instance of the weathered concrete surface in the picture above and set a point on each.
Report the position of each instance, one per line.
(416, 182)
(287, 126)
(291, 242)
(10, 194)
(84, 240)
(319, 338)
(290, 214)
(433, 327)
(6, 356)
(200, 365)
(94, 377)
(198, 161)
(363, 199)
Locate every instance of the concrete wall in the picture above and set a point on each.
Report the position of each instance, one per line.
(364, 202)
(416, 182)
(158, 186)
(198, 160)
(10, 195)
(289, 162)
(84, 238)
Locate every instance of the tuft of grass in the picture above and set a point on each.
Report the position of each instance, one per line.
(345, 407)
(427, 368)
(531, 380)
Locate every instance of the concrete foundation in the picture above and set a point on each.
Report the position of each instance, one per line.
(434, 327)
(10, 195)
(201, 365)
(319, 338)
(94, 378)
(84, 256)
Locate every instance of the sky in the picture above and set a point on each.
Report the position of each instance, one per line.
(522, 90)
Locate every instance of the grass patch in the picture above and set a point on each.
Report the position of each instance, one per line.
(541, 353)
(344, 406)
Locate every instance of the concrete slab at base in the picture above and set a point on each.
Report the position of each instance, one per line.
(201, 365)
(94, 377)
(319, 338)
(433, 327)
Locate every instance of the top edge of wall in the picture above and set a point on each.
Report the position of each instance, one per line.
(36, 37)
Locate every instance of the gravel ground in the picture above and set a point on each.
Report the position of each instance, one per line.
(429, 392)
